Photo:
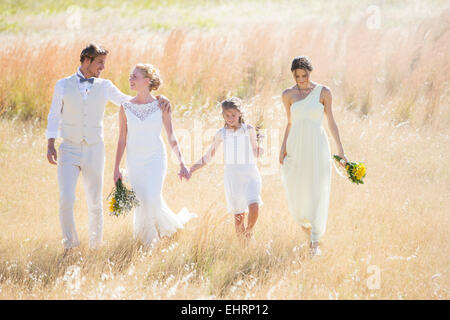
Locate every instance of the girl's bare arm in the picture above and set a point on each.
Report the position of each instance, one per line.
(209, 154)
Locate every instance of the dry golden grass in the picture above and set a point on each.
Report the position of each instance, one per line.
(397, 222)
(390, 88)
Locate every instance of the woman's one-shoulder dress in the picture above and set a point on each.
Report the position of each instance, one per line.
(306, 170)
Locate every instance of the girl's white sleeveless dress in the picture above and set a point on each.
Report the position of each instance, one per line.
(306, 170)
(147, 166)
(241, 176)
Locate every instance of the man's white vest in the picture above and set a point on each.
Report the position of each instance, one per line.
(83, 119)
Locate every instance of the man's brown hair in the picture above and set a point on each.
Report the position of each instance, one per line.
(92, 51)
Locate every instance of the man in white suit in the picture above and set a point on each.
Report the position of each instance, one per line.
(76, 115)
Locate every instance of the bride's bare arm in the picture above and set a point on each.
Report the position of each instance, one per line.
(167, 120)
(208, 155)
(121, 143)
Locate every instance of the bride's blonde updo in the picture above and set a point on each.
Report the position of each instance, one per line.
(149, 71)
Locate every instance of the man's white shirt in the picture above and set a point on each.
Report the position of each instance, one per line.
(54, 117)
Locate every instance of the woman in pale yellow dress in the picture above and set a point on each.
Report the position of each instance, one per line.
(305, 153)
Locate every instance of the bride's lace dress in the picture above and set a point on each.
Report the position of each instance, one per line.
(147, 166)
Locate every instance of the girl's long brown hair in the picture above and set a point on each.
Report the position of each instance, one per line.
(233, 103)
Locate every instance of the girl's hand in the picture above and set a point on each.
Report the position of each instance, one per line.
(117, 175)
(184, 172)
(283, 154)
(190, 173)
(259, 151)
(344, 160)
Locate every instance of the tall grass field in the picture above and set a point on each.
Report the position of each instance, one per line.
(387, 66)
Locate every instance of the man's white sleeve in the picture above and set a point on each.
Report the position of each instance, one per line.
(54, 115)
(115, 95)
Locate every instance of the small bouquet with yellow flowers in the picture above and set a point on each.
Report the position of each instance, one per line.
(122, 199)
(356, 170)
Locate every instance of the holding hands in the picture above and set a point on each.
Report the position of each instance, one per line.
(184, 172)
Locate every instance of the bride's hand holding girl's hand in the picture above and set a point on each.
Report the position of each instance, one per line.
(184, 172)
(117, 175)
(190, 172)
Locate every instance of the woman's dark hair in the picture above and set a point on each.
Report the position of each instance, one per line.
(301, 62)
(92, 51)
(233, 103)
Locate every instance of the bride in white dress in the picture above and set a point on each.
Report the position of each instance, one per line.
(140, 124)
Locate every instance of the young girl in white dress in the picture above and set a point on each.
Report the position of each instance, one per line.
(241, 176)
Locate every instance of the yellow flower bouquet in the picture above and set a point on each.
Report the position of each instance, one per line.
(122, 199)
(356, 170)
